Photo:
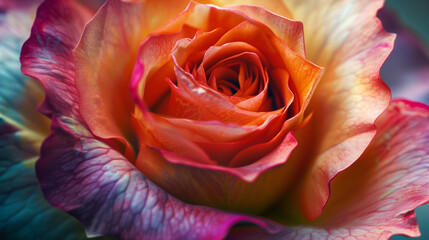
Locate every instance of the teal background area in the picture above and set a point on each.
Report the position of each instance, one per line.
(414, 14)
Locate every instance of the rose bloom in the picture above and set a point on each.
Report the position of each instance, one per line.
(205, 120)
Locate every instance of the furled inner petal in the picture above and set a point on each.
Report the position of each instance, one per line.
(156, 67)
(301, 72)
(249, 81)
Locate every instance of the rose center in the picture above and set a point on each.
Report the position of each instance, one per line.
(234, 78)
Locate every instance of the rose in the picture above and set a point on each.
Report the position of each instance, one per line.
(69, 129)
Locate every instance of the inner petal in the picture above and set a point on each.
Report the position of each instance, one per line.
(245, 72)
(242, 79)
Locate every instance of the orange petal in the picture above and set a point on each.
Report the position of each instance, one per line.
(214, 135)
(154, 67)
(105, 58)
(156, 132)
(240, 189)
(304, 74)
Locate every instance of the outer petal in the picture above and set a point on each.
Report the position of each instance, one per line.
(375, 198)
(382, 189)
(101, 188)
(105, 58)
(346, 38)
(47, 57)
(24, 210)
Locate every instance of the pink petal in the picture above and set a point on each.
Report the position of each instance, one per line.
(47, 54)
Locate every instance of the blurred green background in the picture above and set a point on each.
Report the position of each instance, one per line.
(414, 14)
